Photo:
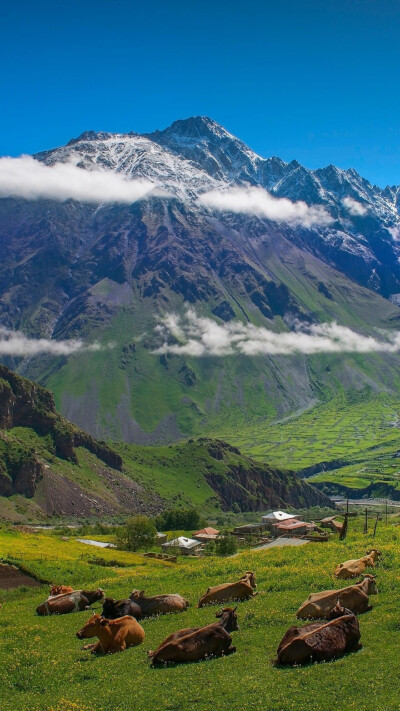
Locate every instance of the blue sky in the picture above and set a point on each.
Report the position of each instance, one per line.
(315, 80)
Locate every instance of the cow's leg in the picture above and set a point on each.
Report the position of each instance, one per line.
(89, 646)
(231, 650)
(98, 649)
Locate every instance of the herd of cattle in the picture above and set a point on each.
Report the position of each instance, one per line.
(117, 628)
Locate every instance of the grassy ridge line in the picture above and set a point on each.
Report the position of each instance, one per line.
(43, 668)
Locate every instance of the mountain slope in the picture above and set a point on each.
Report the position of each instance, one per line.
(112, 272)
(50, 467)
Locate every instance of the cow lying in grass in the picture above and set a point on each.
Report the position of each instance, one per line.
(60, 590)
(353, 597)
(75, 601)
(241, 590)
(158, 604)
(195, 643)
(321, 643)
(352, 568)
(114, 635)
(112, 609)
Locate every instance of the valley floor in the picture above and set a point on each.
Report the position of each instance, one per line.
(43, 668)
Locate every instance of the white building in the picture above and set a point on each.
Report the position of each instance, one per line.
(278, 517)
(186, 546)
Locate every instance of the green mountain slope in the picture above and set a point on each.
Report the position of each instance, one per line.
(50, 467)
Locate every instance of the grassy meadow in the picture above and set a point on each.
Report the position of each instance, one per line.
(43, 668)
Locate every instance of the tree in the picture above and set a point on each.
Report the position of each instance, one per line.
(140, 532)
(226, 544)
(179, 520)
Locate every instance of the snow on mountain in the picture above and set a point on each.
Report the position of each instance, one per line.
(197, 155)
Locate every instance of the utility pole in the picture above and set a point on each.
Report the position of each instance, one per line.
(376, 523)
(366, 521)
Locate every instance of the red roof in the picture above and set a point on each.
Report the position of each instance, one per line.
(207, 531)
(293, 524)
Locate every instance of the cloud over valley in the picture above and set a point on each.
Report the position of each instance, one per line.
(198, 336)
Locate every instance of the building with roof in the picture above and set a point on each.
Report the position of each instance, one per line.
(278, 517)
(206, 534)
(183, 545)
(292, 528)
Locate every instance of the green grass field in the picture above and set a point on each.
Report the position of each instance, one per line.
(42, 666)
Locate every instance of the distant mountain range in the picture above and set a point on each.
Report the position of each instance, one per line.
(111, 273)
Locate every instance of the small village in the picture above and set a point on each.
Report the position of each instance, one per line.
(277, 528)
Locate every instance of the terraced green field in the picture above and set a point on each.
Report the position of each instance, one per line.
(43, 668)
(357, 436)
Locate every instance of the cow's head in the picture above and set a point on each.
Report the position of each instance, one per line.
(250, 578)
(374, 553)
(91, 628)
(136, 594)
(339, 611)
(228, 618)
(108, 606)
(372, 587)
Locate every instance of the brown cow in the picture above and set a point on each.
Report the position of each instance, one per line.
(114, 635)
(60, 590)
(321, 643)
(195, 643)
(76, 601)
(241, 590)
(352, 568)
(353, 597)
(158, 604)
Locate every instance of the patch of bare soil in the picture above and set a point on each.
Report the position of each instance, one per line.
(11, 577)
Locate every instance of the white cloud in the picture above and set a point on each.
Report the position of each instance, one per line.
(258, 202)
(16, 343)
(395, 232)
(28, 178)
(355, 208)
(201, 336)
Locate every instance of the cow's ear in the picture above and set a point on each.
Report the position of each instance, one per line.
(142, 592)
(104, 622)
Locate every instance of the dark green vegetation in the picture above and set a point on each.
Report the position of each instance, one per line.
(42, 666)
(50, 467)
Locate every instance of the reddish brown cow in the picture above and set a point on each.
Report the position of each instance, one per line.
(241, 590)
(114, 635)
(195, 643)
(321, 643)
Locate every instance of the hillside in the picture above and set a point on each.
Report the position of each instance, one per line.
(122, 276)
(48, 466)
(245, 680)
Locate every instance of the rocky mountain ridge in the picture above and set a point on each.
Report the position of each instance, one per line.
(111, 272)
